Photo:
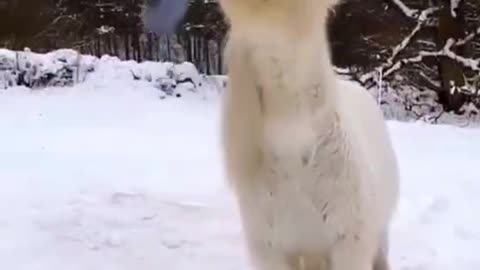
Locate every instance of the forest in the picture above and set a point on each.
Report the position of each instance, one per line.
(412, 46)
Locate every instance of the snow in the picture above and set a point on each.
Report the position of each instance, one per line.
(107, 175)
(435, 227)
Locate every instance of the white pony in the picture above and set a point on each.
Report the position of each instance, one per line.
(309, 157)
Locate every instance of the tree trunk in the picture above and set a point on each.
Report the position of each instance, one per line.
(220, 56)
(150, 46)
(207, 56)
(169, 53)
(127, 46)
(115, 45)
(449, 70)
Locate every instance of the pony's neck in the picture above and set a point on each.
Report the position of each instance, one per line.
(290, 61)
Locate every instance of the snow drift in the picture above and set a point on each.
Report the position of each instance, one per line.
(67, 67)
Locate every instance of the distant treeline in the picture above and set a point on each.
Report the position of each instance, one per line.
(424, 45)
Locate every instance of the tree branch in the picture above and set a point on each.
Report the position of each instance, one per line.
(468, 38)
(422, 21)
(409, 12)
(446, 51)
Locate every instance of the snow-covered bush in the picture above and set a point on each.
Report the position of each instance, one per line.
(402, 101)
(67, 67)
(8, 70)
(406, 103)
(169, 78)
(58, 68)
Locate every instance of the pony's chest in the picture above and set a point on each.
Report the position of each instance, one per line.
(289, 139)
(291, 210)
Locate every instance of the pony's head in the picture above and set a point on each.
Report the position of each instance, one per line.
(231, 7)
(261, 18)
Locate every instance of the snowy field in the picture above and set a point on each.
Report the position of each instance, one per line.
(108, 176)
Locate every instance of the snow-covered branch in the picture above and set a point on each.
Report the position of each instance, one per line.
(446, 51)
(415, 13)
(468, 38)
(391, 66)
(409, 12)
(473, 64)
(51, 25)
(453, 7)
(400, 47)
(422, 21)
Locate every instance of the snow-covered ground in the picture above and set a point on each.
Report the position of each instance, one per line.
(105, 175)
